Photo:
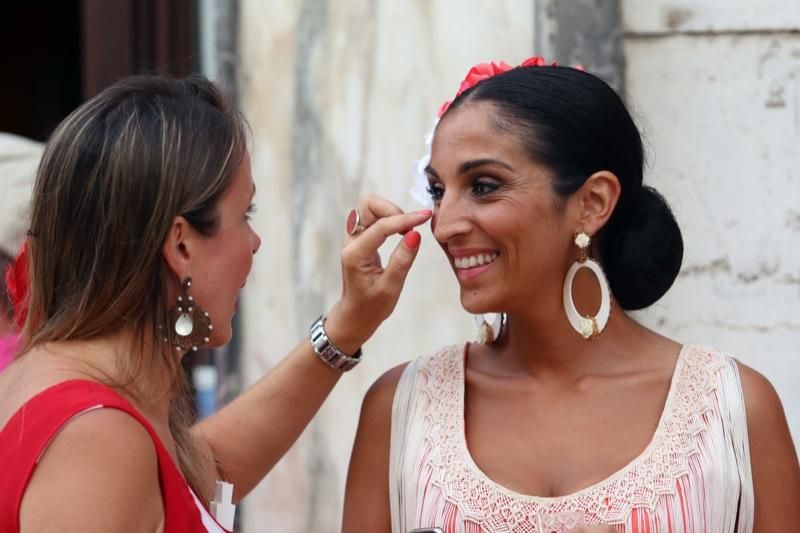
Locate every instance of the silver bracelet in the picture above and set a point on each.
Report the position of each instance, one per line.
(327, 351)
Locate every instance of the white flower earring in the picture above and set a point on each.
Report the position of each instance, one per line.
(588, 326)
(490, 326)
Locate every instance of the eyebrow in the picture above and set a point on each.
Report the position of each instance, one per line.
(466, 166)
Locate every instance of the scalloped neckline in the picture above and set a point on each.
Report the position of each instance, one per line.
(463, 448)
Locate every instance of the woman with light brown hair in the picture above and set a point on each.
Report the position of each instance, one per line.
(139, 245)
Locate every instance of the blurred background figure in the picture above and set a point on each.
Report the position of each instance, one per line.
(9, 332)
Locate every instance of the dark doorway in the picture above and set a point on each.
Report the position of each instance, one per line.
(41, 65)
(58, 53)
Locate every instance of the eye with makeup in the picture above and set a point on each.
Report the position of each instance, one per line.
(436, 191)
(250, 210)
(483, 187)
(480, 187)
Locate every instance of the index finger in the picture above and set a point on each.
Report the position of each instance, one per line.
(373, 208)
(374, 236)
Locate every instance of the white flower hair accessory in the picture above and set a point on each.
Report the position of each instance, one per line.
(420, 189)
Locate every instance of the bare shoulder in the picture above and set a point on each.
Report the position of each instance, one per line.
(100, 473)
(761, 401)
(380, 395)
(773, 457)
(366, 505)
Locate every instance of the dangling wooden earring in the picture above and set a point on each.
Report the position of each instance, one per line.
(588, 326)
(191, 326)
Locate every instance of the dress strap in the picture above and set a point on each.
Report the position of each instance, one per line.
(26, 435)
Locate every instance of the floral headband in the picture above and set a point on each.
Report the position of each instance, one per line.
(476, 74)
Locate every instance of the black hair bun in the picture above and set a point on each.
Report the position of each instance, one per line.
(642, 256)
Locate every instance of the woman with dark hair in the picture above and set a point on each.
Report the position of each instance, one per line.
(139, 244)
(570, 416)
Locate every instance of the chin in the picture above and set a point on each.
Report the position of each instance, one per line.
(477, 304)
(220, 337)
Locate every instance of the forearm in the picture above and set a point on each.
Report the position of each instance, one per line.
(252, 433)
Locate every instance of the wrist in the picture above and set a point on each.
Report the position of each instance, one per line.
(331, 354)
(342, 331)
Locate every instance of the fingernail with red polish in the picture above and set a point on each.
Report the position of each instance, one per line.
(426, 212)
(412, 240)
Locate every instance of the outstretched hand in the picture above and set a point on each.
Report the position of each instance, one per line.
(370, 291)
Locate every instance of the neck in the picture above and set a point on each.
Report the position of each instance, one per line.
(104, 359)
(540, 340)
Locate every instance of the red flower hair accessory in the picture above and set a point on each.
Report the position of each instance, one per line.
(483, 71)
(476, 74)
(17, 284)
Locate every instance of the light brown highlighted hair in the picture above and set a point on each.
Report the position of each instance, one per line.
(114, 175)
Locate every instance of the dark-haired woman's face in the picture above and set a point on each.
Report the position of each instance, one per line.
(496, 215)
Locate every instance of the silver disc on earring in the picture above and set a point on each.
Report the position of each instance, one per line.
(190, 323)
(184, 325)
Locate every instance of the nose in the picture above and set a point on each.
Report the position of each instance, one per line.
(450, 219)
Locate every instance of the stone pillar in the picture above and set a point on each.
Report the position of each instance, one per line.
(584, 32)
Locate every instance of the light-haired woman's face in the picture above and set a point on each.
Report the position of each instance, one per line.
(496, 215)
(226, 256)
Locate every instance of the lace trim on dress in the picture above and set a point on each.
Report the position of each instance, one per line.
(697, 458)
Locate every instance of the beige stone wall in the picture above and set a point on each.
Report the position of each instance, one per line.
(340, 96)
(716, 87)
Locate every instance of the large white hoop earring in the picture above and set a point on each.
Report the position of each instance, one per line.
(588, 326)
(490, 326)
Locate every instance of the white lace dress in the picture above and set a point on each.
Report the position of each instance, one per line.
(694, 476)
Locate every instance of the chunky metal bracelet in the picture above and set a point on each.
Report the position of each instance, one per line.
(327, 351)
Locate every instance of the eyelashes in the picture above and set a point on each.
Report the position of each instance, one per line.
(251, 209)
(480, 188)
(436, 192)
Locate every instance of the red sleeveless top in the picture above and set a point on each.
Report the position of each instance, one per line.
(28, 432)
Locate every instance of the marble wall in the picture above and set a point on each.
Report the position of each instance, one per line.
(340, 96)
(716, 90)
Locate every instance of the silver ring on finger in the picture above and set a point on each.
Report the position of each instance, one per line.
(354, 226)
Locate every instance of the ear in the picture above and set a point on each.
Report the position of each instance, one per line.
(596, 200)
(177, 247)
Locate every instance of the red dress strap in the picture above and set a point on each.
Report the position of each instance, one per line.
(28, 432)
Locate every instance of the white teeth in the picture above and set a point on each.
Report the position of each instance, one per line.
(474, 260)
